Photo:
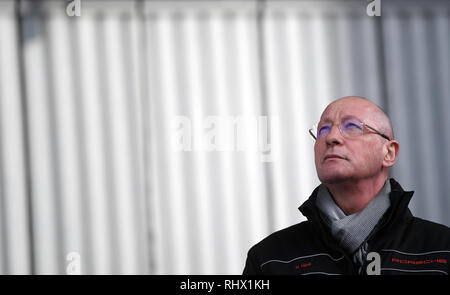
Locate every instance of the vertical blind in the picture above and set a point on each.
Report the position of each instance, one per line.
(14, 214)
(167, 137)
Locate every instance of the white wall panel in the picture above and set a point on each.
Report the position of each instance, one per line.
(209, 73)
(119, 212)
(274, 91)
(171, 183)
(64, 100)
(226, 165)
(252, 199)
(84, 140)
(14, 238)
(42, 149)
(93, 128)
(122, 148)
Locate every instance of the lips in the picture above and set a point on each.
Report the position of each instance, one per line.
(333, 156)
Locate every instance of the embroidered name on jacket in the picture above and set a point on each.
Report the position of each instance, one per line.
(399, 262)
(308, 264)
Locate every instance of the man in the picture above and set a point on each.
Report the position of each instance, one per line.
(358, 219)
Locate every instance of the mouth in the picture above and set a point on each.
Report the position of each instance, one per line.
(333, 156)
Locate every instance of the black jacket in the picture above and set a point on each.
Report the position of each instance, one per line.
(405, 244)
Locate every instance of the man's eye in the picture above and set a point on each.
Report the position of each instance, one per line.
(351, 125)
(324, 129)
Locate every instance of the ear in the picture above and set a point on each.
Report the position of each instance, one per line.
(391, 150)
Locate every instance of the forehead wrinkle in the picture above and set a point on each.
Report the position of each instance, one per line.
(345, 112)
(341, 119)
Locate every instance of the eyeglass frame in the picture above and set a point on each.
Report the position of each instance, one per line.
(363, 124)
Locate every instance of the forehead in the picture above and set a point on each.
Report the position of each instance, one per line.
(348, 108)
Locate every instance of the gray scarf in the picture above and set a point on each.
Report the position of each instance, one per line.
(352, 230)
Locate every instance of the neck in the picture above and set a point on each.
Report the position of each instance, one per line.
(353, 196)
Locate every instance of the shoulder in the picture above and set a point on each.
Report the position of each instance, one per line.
(287, 246)
(427, 234)
(283, 241)
(429, 227)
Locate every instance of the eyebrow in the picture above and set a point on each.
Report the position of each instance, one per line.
(345, 117)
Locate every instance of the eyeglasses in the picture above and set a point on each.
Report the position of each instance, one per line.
(351, 127)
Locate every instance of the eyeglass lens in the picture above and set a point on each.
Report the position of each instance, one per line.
(350, 127)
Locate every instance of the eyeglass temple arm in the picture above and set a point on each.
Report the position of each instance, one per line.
(312, 134)
(378, 132)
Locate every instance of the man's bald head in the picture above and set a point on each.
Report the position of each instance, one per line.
(376, 114)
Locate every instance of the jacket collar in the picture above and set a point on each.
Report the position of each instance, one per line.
(398, 209)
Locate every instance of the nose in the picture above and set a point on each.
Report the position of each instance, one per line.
(334, 137)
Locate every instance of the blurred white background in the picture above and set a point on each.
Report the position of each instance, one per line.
(167, 137)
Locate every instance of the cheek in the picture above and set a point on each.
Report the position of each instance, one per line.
(318, 151)
(370, 156)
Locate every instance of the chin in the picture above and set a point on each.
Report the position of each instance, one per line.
(334, 177)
